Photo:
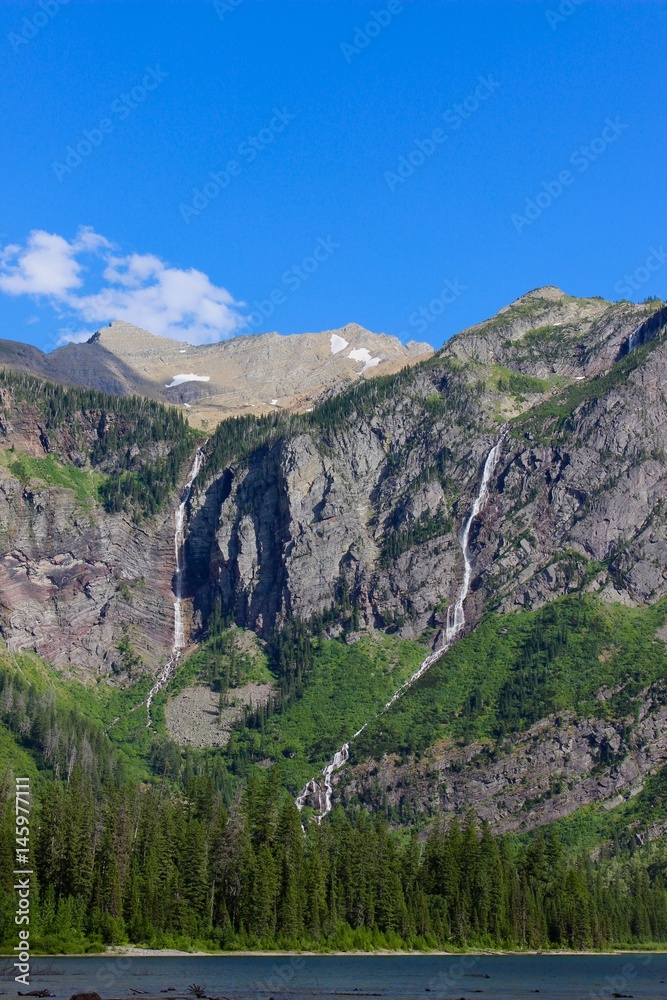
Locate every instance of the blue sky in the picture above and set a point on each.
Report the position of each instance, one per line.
(408, 166)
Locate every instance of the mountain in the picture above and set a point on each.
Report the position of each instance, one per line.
(438, 594)
(252, 374)
(324, 557)
(375, 487)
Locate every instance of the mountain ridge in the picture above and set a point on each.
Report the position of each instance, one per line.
(254, 373)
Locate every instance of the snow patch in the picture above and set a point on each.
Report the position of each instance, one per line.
(274, 402)
(360, 354)
(363, 354)
(180, 379)
(338, 343)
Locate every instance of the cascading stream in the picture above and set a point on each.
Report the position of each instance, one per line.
(322, 794)
(179, 624)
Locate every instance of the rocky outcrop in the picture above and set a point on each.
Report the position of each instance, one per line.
(591, 493)
(77, 583)
(73, 581)
(200, 717)
(557, 766)
(546, 332)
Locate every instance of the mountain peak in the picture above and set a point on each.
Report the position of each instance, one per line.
(546, 332)
(252, 373)
(126, 339)
(550, 293)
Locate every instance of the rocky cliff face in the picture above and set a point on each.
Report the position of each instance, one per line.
(557, 766)
(368, 499)
(75, 580)
(376, 496)
(72, 583)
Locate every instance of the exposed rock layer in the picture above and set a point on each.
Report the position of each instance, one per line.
(557, 766)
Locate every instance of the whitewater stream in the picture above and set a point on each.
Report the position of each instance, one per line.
(322, 793)
(179, 625)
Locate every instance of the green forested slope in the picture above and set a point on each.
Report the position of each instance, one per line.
(138, 447)
(139, 865)
(516, 669)
(192, 855)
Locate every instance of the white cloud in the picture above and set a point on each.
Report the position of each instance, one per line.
(66, 335)
(138, 288)
(45, 266)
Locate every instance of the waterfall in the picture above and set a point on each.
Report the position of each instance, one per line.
(321, 795)
(635, 340)
(179, 550)
(646, 331)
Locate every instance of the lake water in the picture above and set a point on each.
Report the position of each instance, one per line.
(511, 977)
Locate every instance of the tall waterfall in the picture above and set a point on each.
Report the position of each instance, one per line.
(635, 339)
(321, 794)
(179, 550)
(648, 330)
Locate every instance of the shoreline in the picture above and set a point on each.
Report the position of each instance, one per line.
(132, 951)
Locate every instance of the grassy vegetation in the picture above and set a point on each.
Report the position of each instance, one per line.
(141, 446)
(542, 336)
(515, 669)
(14, 759)
(224, 660)
(528, 309)
(506, 380)
(550, 418)
(84, 483)
(345, 687)
(74, 705)
(429, 525)
(612, 831)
